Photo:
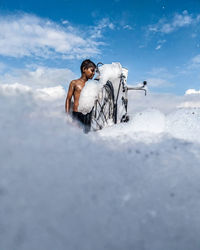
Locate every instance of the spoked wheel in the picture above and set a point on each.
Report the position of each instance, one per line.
(103, 111)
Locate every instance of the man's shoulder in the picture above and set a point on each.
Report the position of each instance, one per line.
(75, 82)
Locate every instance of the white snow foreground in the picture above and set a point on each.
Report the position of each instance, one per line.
(132, 186)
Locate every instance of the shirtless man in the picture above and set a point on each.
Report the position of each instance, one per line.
(75, 88)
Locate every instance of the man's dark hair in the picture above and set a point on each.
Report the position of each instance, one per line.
(87, 64)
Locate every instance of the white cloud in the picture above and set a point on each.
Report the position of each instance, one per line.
(158, 82)
(29, 35)
(44, 94)
(128, 27)
(192, 67)
(192, 91)
(182, 20)
(159, 47)
(153, 28)
(65, 22)
(160, 72)
(2, 67)
(14, 89)
(179, 20)
(190, 99)
(96, 32)
(196, 59)
(38, 77)
(50, 94)
(193, 64)
(194, 35)
(160, 44)
(159, 77)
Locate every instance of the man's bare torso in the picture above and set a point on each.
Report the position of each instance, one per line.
(77, 88)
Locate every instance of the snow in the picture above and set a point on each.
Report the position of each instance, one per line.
(88, 96)
(185, 124)
(111, 72)
(150, 120)
(129, 186)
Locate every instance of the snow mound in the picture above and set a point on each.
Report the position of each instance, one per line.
(62, 189)
(151, 125)
(111, 72)
(147, 126)
(184, 124)
(151, 121)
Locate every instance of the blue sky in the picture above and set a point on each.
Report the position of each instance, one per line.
(158, 41)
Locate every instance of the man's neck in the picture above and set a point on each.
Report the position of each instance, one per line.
(83, 78)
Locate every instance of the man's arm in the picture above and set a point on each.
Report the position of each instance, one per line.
(69, 96)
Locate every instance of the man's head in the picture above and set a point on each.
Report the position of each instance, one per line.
(88, 68)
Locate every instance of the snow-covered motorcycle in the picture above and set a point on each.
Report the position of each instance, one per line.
(111, 104)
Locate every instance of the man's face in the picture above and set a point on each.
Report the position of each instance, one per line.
(90, 72)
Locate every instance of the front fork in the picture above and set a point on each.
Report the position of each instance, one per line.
(125, 117)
